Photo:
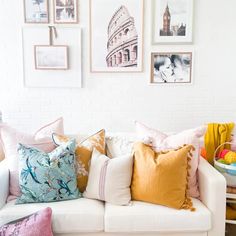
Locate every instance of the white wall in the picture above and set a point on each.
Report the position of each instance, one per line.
(113, 101)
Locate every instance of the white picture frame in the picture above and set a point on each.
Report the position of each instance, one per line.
(66, 14)
(51, 78)
(51, 57)
(36, 11)
(171, 67)
(116, 45)
(172, 21)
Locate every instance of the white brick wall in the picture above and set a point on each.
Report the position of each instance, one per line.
(113, 101)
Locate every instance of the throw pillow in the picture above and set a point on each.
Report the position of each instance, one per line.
(47, 177)
(37, 224)
(83, 154)
(119, 145)
(160, 141)
(161, 177)
(10, 138)
(109, 179)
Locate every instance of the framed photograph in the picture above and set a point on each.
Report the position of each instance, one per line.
(48, 75)
(116, 35)
(172, 21)
(65, 11)
(36, 11)
(49, 57)
(171, 67)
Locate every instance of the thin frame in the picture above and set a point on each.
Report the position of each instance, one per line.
(76, 21)
(36, 22)
(153, 54)
(51, 68)
(168, 40)
(139, 69)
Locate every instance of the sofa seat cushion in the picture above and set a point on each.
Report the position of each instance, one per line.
(147, 217)
(80, 215)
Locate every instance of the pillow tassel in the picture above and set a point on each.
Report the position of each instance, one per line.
(188, 204)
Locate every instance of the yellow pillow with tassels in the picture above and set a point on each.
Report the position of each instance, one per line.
(161, 177)
(83, 153)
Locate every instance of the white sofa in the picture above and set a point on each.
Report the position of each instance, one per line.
(92, 217)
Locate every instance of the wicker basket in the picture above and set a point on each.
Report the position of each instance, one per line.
(228, 171)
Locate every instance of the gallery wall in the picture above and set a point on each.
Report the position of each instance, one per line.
(114, 100)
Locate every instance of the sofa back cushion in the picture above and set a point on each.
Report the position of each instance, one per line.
(161, 177)
(42, 140)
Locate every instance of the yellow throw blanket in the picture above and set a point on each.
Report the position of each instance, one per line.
(217, 134)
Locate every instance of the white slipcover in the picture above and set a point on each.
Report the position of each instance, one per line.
(146, 217)
(80, 215)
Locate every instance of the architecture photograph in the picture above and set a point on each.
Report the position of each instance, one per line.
(122, 44)
(170, 29)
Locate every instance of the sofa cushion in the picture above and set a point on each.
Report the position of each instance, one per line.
(47, 177)
(10, 137)
(161, 178)
(161, 141)
(147, 217)
(37, 224)
(83, 153)
(80, 215)
(109, 179)
(119, 144)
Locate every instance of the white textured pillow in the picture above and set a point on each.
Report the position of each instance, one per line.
(119, 145)
(109, 179)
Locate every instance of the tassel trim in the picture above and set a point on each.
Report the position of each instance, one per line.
(188, 204)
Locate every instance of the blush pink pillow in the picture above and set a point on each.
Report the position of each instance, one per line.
(161, 141)
(37, 224)
(42, 140)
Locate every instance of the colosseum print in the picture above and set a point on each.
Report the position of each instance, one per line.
(116, 35)
(122, 44)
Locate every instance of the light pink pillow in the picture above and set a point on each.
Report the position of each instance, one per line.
(41, 139)
(37, 224)
(160, 142)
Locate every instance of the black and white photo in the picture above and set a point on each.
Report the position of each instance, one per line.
(65, 11)
(171, 67)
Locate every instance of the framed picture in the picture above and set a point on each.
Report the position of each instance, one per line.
(65, 11)
(116, 35)
(171, 67)
(36, 11)
(49, 57)
(172, 21)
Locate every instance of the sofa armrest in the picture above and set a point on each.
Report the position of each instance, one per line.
(4, 182)
(212, 186)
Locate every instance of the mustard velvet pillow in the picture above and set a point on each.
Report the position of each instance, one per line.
(83, 153)
(161, 178)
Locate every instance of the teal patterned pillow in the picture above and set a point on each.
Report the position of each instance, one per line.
(47, 177)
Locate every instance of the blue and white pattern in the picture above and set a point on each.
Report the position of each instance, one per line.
(47, 177)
